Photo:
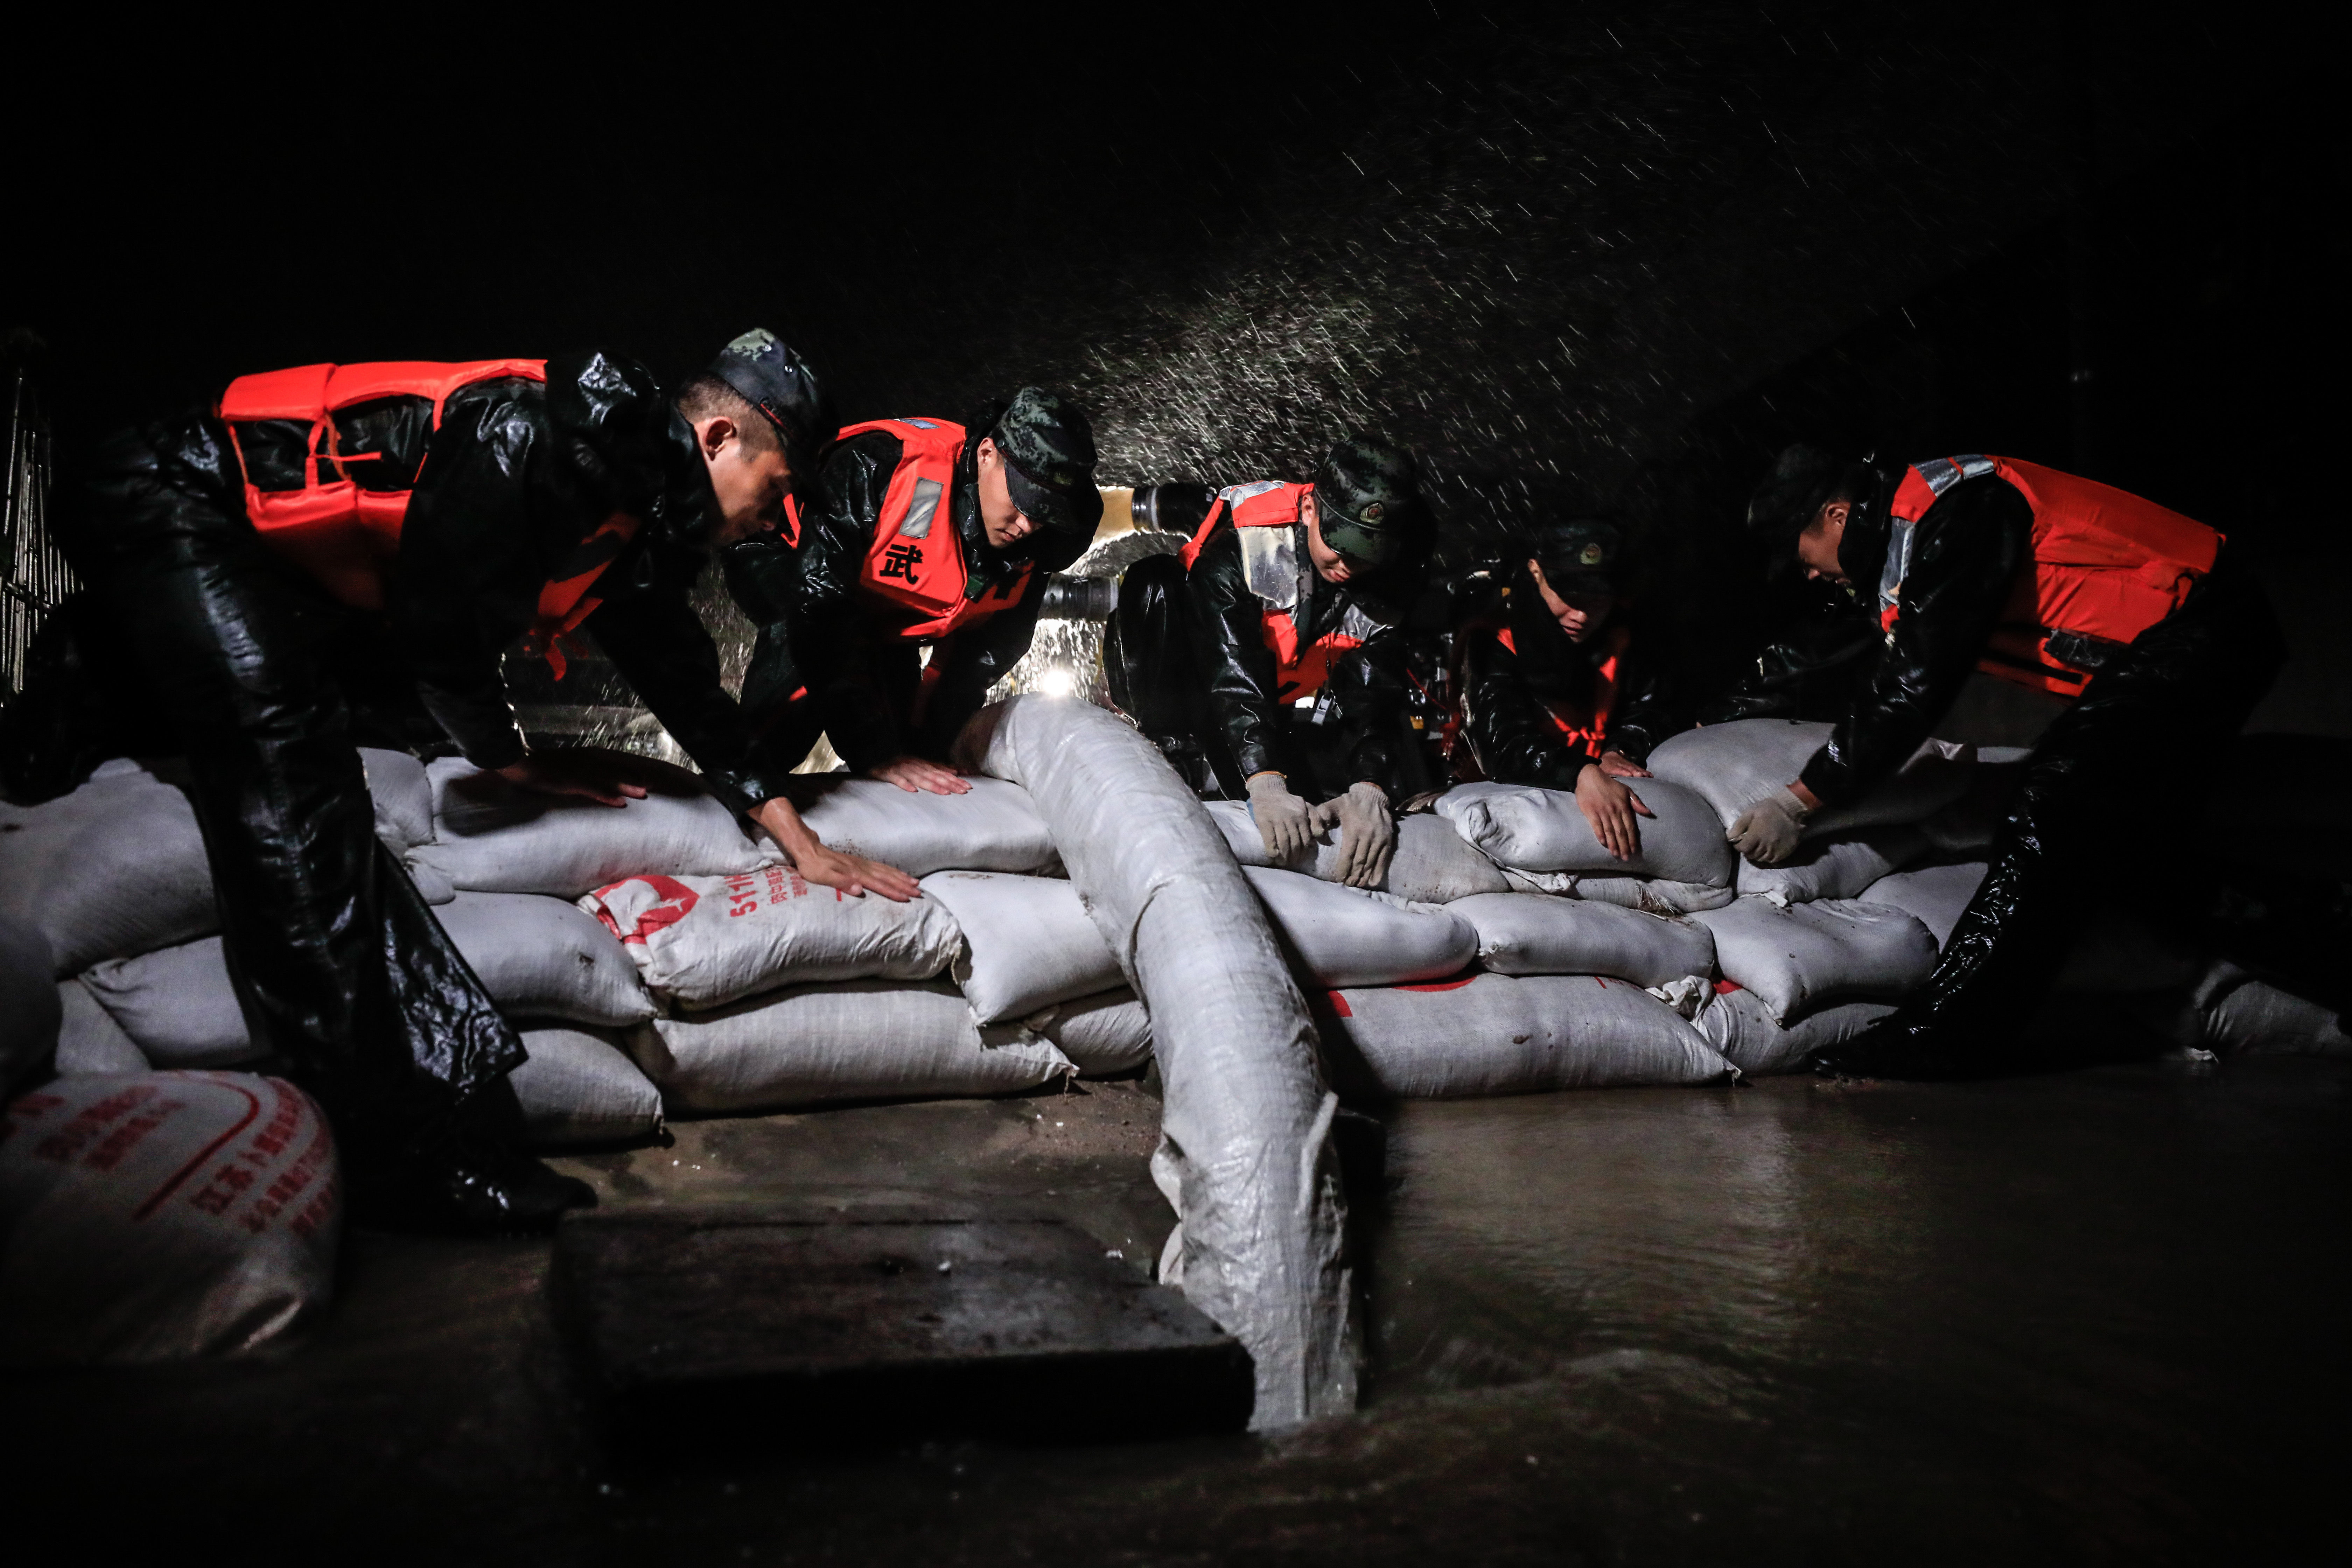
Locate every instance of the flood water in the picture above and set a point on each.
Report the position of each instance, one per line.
(2096, 1316)
(2104, 1309)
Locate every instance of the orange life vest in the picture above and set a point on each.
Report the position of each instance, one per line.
(344, 531)
(2106, 566)
(338, 526)
(1300, 672)
(916, 562)
(1585, 729)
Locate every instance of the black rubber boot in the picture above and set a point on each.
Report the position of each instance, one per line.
(463, 1176)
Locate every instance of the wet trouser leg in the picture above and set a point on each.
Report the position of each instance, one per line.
(341, 964)
(2099, 787)
(1154, 674)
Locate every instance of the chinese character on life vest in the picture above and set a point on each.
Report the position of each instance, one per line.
(900, 561)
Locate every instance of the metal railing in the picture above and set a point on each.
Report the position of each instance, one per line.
(36, 577)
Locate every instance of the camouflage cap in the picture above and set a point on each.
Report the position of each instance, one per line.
(1049, 460)
(776, 381)
(1367, 501)
(1579, 554)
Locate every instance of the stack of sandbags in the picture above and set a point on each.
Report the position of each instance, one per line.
(783, 993)
(1032, 961)
(115, 878)
(1540, 838)
(1805, 975)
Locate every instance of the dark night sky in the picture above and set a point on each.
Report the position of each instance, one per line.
(1554, 257)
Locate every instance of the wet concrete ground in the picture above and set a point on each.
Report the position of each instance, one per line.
(2092, 1317)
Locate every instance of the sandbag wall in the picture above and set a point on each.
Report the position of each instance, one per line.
(660, 961)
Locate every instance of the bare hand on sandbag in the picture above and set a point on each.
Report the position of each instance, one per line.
(1767, 832)
(1367, 833)
(591, 775)
(1611, 809)
(1281, 818)
(916, 773)
(1618, 765)
(852, 874)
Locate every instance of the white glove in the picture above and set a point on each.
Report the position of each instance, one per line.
(1767, 832)
(1281, 818)
(1367, 833)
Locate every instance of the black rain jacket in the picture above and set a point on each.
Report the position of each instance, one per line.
(1966, 551)
(817, 628)
(1510, 731)
(519, 473)
(1366, 684)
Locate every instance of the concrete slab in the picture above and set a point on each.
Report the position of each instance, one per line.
(823, 1324)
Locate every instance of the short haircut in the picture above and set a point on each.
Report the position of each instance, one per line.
(708, 397)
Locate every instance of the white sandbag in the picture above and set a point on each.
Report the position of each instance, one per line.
(1345, 936)
(994, 828)
(704, 941)
(1736, 765)
(403, 795)
(431, 886)
(542, 958)
(1833, 869)
(1807, 955)
(1246, 1155)
(160, 1216)
(2247, 1017)
(177, 1005)
(1503, 1034)
(90, 1042)
(1532, 933)
(537, 957)
(1433, 864)
(1103, 1036)
(115, 868)
(1531, 829)
(1736, 1021)
(579, 1087)
(491, 838)
(31, 1014)
(1651, 895)
(1027, 942)
(860, 1039)
(1936, 896)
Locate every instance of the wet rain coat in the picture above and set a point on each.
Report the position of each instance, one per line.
(223, 647)
(2100, 783)
(842, 614)
(1537, 707)
(1242, 602)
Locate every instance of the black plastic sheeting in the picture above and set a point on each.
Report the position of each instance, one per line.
(2107, 812)
(339, 959)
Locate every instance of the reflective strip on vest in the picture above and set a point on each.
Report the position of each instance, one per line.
(2106, 565)
(912, 565)
(1272, 575)
(345, 536)
(1261, 503)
